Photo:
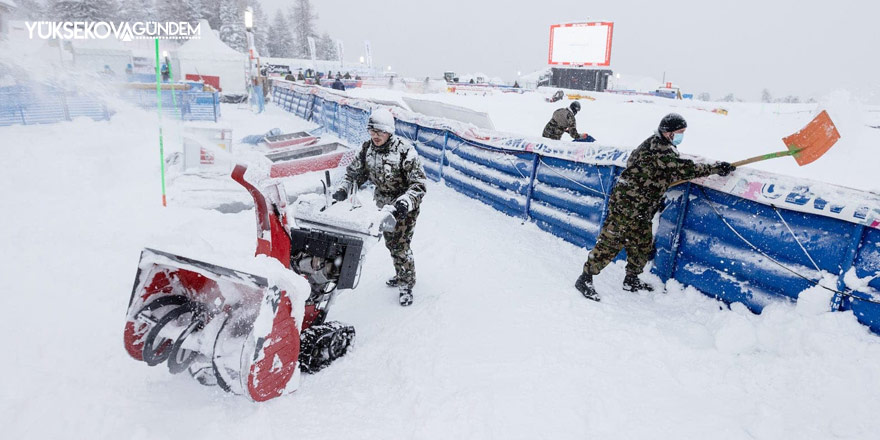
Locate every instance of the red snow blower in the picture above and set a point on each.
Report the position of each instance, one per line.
(238, 330)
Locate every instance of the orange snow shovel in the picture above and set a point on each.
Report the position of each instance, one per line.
(807, 145)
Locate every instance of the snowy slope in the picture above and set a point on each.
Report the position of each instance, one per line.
(497, 345)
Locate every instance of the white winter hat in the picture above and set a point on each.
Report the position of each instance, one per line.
(381, 119)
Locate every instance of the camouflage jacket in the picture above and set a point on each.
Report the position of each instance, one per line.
(650, 170)
(561, 122)
(394, 168)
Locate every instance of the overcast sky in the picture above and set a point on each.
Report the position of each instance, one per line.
(805, 48)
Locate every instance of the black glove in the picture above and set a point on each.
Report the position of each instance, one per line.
(340, 195)
(724, 168)
(400, 210)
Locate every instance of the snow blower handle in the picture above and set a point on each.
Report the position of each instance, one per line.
(328, 201)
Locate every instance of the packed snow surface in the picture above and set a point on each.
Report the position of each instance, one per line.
(498, 344)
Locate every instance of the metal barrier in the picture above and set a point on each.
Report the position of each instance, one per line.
(28, 105)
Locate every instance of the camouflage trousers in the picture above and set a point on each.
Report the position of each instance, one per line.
(398, 242)
(622, 230)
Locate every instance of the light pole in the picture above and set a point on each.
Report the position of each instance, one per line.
(254, 83)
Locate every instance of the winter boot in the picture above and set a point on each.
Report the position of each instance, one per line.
(406, 296)
(392, 282)
(632, 283)
(584, 285)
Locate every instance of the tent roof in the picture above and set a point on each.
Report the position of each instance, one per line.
(208, 45)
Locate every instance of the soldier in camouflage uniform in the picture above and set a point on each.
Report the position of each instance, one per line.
(393, 166)
(637, 196)
(563, 122)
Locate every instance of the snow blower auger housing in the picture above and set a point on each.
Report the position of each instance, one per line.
(252, 335)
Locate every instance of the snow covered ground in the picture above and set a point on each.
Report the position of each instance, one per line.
(497, 345)
(747, 130)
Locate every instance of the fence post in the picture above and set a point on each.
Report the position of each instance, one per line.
(443, 154)
(64, 106)
(857, 231)
(532, 179)
(21, 112)
(676, 236)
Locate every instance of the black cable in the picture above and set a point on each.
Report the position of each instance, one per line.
(815, 283)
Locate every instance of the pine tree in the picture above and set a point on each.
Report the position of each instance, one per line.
(137, 10)
(280, 37)
(302, 17)
(326, 48)
(211, 12)
(30, 10)
(189, 11)
(765, 96)
(232, 31)
(84, 10)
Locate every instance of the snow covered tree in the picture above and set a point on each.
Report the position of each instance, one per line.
(232, 31)
(302, 17)
(765, 96)
(705, 96)
(729, 98)
(137, 10)
(211, 12)
(189, 11)
(326, 48)
(29, 10)
(84, 10)
(280, 37)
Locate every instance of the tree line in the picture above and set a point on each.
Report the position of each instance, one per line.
(285, 37)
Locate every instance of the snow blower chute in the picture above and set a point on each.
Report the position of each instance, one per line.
(239, 330)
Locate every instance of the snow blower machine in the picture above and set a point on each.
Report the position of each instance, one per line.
(252, 334)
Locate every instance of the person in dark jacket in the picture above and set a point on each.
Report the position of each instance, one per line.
(338, 85)
(652, 168)
(392, 164)
(563, 122)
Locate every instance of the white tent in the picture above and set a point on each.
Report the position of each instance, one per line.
(210, 56)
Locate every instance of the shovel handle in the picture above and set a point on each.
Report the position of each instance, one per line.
(756, 159)
(767, 156)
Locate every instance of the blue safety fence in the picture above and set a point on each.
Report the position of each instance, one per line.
(730, 248)
(46, 105)
(186, 105)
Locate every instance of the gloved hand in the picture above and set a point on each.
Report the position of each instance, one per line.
(401, 209)
(724, 168)
(340, 194)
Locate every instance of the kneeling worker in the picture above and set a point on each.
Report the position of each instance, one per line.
(637, 196)
(393, 165)
(563, 122)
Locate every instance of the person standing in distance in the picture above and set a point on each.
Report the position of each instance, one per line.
(637, 196)
(393, 166)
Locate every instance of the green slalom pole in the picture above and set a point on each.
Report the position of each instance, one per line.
(159, 103)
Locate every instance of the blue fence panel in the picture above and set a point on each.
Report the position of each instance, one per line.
(406, 130)
(430, 144)
(569, 198)
(317, 111)
(355, 130)
(713, 257)
(867, 265)
(46, 105)
(499, 179)
(79, 105)
(331, 118)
